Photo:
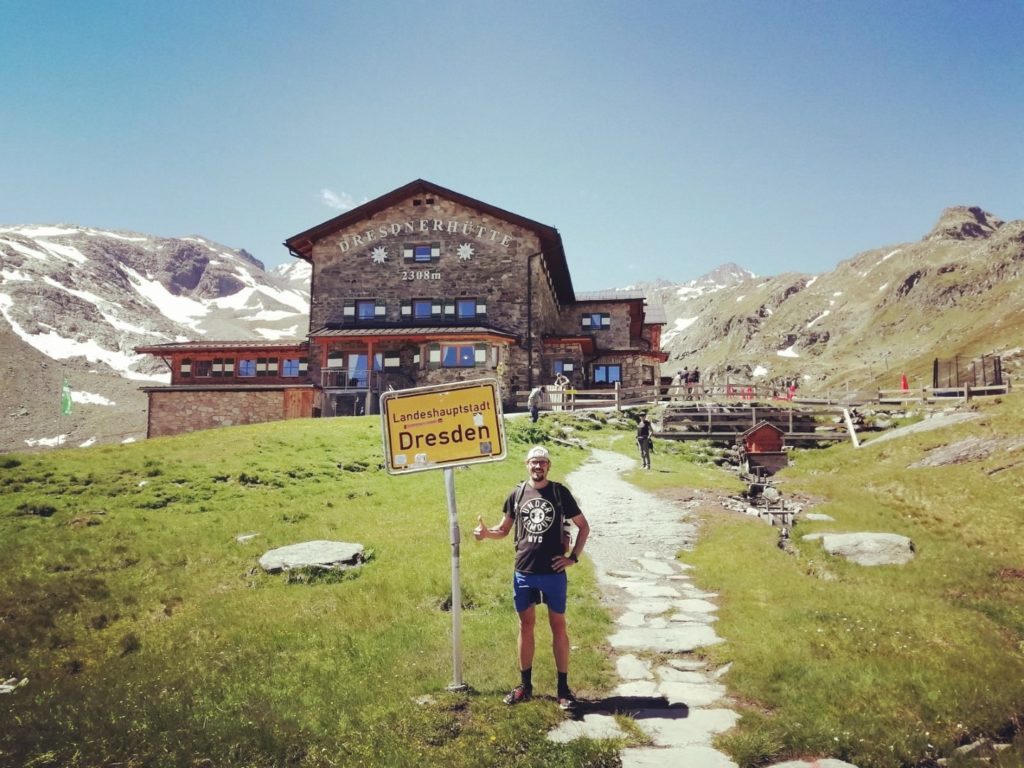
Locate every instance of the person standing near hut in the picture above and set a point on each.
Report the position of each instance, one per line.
(538, 510)
(643, 441)
(535, 401)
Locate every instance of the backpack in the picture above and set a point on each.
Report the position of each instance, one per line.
(520, 490)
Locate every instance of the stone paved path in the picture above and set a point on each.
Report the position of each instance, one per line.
(673, 696)
(662, 618)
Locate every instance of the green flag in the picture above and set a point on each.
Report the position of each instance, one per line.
(65, 397)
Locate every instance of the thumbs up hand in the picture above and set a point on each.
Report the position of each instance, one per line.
(480, 532)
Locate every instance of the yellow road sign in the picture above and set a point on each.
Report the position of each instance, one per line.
(443, 425)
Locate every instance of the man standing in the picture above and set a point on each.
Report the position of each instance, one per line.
(539, 510)
(643, 441)
(535, 400)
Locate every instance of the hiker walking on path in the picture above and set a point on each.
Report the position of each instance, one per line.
(643, 441)
(538, 509)
(679, 383)
(535, 401)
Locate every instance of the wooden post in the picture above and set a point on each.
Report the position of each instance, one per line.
(849, 427)
(618, 396)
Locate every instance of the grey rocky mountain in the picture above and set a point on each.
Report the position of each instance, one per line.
(879, 315)
(76, 301)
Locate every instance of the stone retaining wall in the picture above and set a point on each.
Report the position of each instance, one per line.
(175, 412)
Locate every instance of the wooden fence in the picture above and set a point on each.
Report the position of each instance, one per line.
(618, 397)
(939, 394)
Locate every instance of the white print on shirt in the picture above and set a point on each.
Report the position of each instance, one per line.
(538, 515)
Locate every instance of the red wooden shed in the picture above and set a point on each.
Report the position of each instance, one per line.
(763, 449)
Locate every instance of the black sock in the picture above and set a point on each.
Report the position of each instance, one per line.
(526, 678)
(563, 682)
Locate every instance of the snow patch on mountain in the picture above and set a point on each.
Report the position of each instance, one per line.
(822, 316)
(270, 334)
(58, 347)
(90, 398)
(679, 325)
(789, 351)
(183, 309)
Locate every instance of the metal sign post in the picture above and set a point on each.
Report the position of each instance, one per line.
(442, 427)
(453, 520)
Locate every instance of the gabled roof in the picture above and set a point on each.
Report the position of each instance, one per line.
(301, 245)
(654, 312)
(762, 425)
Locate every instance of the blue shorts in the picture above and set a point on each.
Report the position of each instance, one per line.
(532, 588)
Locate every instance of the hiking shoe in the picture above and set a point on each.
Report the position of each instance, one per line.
(518, 694)
(566, 699)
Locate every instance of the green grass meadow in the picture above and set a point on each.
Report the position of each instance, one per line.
(149, 636)
(885, 665)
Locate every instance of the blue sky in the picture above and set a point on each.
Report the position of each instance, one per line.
(661, 138)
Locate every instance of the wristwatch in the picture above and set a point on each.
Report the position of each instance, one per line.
(574, 557)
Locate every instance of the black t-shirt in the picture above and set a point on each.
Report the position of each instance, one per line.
(540, 525)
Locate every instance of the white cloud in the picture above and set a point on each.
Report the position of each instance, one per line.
(339, 201)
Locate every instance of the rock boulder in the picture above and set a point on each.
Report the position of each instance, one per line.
(867, 548)
(326, 554)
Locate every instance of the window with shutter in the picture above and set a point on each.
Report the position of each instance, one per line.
(480, 355)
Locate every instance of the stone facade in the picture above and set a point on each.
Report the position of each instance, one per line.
(473, 256)
(469, 276)
(427, 286)
(176, 411)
